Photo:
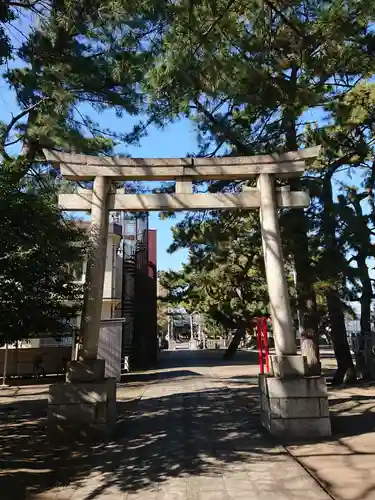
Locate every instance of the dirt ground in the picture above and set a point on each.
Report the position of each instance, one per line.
(345, 463)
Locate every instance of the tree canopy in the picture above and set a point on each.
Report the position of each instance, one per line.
(37, 294)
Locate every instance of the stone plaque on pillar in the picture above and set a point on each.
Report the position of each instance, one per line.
(110, 345)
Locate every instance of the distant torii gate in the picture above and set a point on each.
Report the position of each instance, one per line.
(266, 196)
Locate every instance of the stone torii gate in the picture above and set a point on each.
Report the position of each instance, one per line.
(291, 401)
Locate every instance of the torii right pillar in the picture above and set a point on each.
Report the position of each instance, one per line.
(294, 405)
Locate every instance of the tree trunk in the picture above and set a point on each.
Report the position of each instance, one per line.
(365, 363)
(366, 297)
(364, 356)
(235, 342)
(345, 372)
(29, 148)
(345, 366)
(306, 300)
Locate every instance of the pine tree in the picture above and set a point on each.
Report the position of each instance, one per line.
(75, 56)
(347, 144)
(247, 74)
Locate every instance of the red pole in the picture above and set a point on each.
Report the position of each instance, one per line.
(265, 340)
(260, 347)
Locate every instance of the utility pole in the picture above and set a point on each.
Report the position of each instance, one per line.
(5, 367)
(168, 326)
(191, 331)
(172, 336)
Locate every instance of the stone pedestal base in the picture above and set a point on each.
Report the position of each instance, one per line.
(294, 408)
(288, 366)
(85, 406)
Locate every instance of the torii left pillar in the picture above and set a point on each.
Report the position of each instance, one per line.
(85, 406)
(91, 314)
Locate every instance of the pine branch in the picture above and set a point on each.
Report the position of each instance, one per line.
(14, 120)
(214, 152)
(221, 130)
(292, 26)
(26, 4)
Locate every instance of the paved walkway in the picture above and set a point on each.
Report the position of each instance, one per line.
(186, 431)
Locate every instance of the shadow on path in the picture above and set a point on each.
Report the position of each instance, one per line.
(206, 358)
(157, 376)
(156, 439)
(185, 424)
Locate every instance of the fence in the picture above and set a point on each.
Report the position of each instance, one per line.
(54, 357)
(21, 361)
(216, 343)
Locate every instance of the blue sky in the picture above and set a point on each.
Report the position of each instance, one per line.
(173, 141)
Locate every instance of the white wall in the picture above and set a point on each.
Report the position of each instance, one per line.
(106, 310)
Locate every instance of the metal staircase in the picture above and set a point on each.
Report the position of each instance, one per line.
(134, 251)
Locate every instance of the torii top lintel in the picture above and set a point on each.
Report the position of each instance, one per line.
(83, 167)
